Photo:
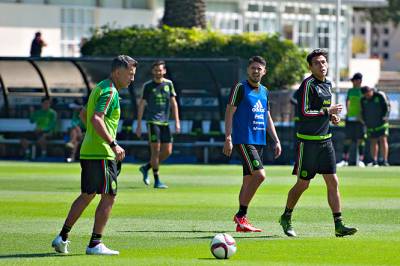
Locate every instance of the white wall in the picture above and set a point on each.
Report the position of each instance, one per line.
(18, 24)
(369, 68)
(125, 17)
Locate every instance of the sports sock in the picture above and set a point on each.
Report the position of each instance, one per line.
(155, 174)
(337, 217)
(64, 232)
(94, 240)
(242, 211)
(288, 212)
(147, 166)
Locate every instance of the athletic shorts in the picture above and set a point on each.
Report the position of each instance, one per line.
(379, 133)
(159, 133)
(314, 157)
(99, 176)
(355, 130)
(251, 157)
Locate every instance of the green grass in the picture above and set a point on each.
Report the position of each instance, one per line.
(175, 226)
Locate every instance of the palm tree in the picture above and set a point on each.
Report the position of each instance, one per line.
(184, 13)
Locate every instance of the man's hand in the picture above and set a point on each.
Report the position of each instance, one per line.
(335, 119)
(277, 150)
(228, 146)
(178, 127)
(119, 152)
(335, 109)
(139, 131)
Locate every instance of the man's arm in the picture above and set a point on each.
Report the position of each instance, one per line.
(228, 146)
(272, 133)
(82, 116)
(99, 126)
(175, 113)
(141, 105)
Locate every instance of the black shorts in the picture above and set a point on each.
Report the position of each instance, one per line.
(251, 156)
(99, 176)
(159, 133)
(373, 134)
(36, 135)
(355, 130)
(314, 157)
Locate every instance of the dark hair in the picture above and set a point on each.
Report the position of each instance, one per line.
(365, 89)
(158, 63)
(315, 53)
(257, 59)
(38, 34)
(45, 99)
(122, 61)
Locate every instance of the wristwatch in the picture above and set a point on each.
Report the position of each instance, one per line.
(113, 144)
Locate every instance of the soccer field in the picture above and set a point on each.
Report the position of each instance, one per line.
(175, 226)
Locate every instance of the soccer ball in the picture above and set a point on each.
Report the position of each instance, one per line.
(223, 246)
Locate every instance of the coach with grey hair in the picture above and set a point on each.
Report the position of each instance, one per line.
(100, 156)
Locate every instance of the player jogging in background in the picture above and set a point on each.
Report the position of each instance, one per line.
(315, 153)
(355, 129)
(100, 156)
(247, 121)
(159, 95)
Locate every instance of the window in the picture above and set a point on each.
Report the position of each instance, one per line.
(140, 4)
(271, 9)
(362, 31)
(375, 44)
(112, 3)
(75, 28)
(290, 9)
(252, 8)
(385, 43)
(222, 7)
(304, 10)
(305, 34)
(323, 34)
(385, 56)
(324, 11)
(386, 30)
(72, 2)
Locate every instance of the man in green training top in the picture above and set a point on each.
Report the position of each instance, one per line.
(100, 156)
(355, 129)
(45, 120)
(159, 95)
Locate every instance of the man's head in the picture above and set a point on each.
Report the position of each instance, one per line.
(318, 63)
(256, 68)
(46, 102)
(123, 69)
(158, 70)
(357, 80)
(38, 34)
(368, 92)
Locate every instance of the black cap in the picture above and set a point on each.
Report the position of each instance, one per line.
(357, 76)
(365, 89)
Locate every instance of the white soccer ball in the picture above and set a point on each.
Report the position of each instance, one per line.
(223, 246)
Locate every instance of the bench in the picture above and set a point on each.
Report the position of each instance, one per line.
(16, 126)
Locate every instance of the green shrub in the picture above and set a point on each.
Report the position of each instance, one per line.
(286, 62)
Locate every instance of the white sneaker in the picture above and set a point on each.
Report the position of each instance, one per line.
(101, 249)
(342, 163)
(361, 164)
(59, 245)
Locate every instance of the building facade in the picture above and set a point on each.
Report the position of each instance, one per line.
(65, 24)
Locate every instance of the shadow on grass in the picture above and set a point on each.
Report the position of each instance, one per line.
(175, 231)
(36, 255)
(240, 237)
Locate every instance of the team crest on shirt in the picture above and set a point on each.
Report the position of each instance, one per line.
(166, 88)
(114, 185)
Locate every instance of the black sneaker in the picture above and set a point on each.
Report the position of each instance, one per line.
(286, 223)
(146, 179)
(342, 230)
